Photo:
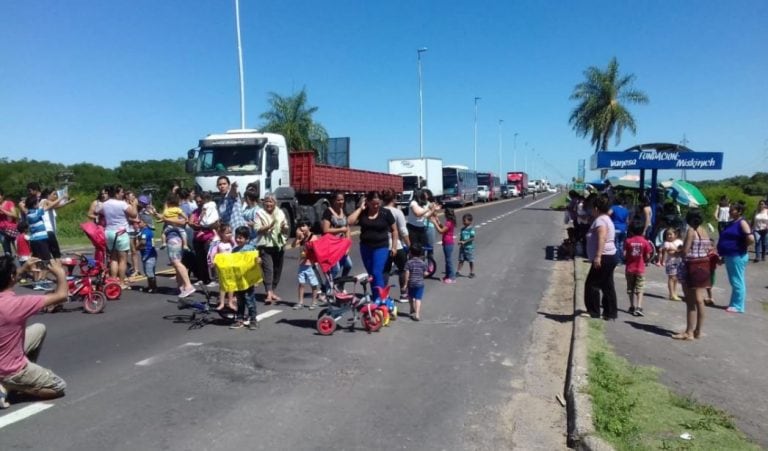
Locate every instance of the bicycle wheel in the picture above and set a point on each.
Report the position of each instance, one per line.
(431, 267)
(112, 291)
(94, 302)
(372, 319)
(326, 325)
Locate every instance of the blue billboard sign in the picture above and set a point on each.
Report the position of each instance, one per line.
(656, 160)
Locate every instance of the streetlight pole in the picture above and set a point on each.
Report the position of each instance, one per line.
(501, 121)
(476, 99)
(240, 65)
(421, 103)
(514, 151)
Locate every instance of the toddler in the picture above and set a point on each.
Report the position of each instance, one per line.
(467, 245)
(223, 243)
(148, 253)
(306, 271)
(414, 280)
(671, 259)
(637, 251)
(172, 210)
(209, 215)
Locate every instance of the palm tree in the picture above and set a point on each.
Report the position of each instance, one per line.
(291, 117)
(601, 111)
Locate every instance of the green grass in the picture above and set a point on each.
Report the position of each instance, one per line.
(633, 411)
(765, 305)
(560, 202)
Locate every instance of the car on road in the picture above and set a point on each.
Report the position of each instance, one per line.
(505, 192)
(513, 192)
(482, 193)
(551, 189)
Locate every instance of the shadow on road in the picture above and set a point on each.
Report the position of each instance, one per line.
(560, 318)
(652, 328)
(302, 323)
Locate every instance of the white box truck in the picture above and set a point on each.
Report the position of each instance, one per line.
(418, 173)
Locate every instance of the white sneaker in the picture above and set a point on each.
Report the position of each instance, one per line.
(3, 395)
(212, 284)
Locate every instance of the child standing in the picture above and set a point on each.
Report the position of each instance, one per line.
(245, 298)
(414, 280)
(670, 258)
(637, 250)
(306, 273)
(467, 245)
(223, 244)
(447, 230)
(148, 253)
(23, 251)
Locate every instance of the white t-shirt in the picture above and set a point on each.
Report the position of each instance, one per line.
(114, 214)
(723, 214)
(416, 220)
(402, 230)
(761, 221)
(49, 219)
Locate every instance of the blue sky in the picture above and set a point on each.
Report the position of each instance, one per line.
(96, 81)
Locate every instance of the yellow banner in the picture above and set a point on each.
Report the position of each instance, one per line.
(238, 271)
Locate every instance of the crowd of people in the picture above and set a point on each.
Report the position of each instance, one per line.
(193, 228)
(611, 234)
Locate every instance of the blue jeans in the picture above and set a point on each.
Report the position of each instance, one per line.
(736, 267)
(246, 299)
(344, 266)
(448, 252)
(374, 259)
(620, 237)
(760, 245)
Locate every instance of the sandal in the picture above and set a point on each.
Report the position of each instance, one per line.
(298, 306)
(313, 306)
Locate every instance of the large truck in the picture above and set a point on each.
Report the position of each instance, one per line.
(301, 186)
(519, 180)
(418, 173)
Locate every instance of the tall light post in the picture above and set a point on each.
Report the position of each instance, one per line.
(501, 121)
(421, 103)
(476, 99)
(514, 151)
(240, 65)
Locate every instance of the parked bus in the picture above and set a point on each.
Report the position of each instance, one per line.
(492, 182)
(459, 185)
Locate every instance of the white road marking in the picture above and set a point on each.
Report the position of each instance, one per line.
(267, 314)
(23, 413)
(157, 358)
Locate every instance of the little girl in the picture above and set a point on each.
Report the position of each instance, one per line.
(670, 258)
(447, 230)
(223, 243)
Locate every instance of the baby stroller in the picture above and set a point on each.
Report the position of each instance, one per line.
(98, 269)
(324, 253)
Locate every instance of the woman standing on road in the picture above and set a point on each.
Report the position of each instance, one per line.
(8, 226)
(695, 274)
(272, 229)
(732, 246)
(722, 213)
(419, 213)
(117, 213)
(760, 226)
(377, 225)
(335, 222)
(175, 246)
(201, 240)
(601, 251)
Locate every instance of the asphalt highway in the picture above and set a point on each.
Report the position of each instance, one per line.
(139, 379)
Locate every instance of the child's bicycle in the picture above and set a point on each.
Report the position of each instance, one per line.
(80, 288)
(98, 273)
(202, 309)
(429, 259)
(349, 305)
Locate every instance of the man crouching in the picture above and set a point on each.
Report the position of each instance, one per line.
(20, 344)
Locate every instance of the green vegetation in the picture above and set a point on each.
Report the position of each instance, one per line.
(560, 202)
(84, 181)
(292, 117)
(633, 411)
(602, 111)
(742, 188)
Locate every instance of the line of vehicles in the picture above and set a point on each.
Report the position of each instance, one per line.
(302, 186)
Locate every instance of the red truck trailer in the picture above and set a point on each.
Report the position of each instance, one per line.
(309, 177)
(519, 180)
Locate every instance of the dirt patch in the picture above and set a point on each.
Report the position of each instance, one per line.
(535, 416)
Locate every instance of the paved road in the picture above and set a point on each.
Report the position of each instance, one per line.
(726, 368)
(137, 380)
